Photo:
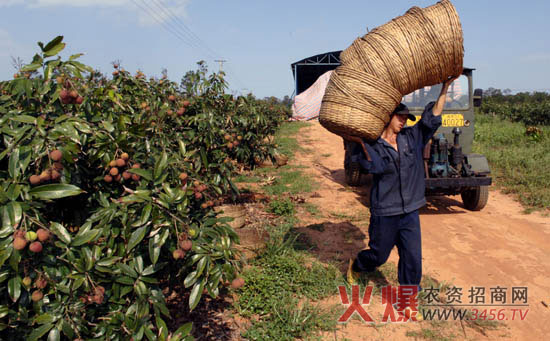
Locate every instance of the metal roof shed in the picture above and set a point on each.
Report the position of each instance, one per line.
(307, 70)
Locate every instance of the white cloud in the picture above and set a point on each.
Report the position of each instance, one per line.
(147, 12)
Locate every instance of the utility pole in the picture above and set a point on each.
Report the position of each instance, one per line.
(221, 61)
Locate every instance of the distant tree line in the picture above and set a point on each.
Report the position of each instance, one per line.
(531, 108)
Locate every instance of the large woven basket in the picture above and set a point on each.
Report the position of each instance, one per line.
(420, 48)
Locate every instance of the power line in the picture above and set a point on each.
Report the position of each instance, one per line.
(183, 27)
(177, 34)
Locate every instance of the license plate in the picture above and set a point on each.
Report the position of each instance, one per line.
(453, 120)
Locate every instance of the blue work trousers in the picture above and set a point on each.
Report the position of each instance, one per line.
(402, 231)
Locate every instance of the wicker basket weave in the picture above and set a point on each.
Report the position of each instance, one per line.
(420, 48)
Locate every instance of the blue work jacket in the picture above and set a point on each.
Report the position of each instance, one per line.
(398, 176)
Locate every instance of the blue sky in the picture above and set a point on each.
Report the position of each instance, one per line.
(508, 42)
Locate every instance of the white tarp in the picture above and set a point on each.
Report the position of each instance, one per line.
(307, 104)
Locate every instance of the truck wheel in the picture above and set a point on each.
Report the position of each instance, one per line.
(352, 171)
(475, 198)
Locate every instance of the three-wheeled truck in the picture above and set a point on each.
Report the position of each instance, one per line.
(450, 167)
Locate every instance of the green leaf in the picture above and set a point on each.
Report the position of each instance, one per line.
(51, 44)
(24, 119)
(13, 166)
(129, 271)
(145, 214)
(125, 280)
(108, 126)
(161, 164)
(141, 172)
(45, 318)
(154, 249)
(81, 239)
(76, 56)
(31, 67)
(39, 332)
(67, 329)
(183, 150)
(190, 279)
(61, 233)
(55, 191)
(14, 288)
(54, 47)
(54, 335)
(196, 294)
(136, 237)
(108, 261)
(204, 159)
(15, 212)
(3, 310)
(184, 330)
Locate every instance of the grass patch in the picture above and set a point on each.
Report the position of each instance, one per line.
(312, 209)
(290, 180)
(285, 138)
(280, 285)
(291, 321)
(516, 159)
(244, 178)
(282, 207)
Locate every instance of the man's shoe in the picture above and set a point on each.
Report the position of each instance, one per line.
(352, 276)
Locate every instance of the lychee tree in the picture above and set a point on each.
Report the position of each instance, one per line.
(107, 190)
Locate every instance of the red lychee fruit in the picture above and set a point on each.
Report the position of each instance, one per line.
(178, 254)
(43, 235)
(37, 295)
(55, 175)
(125, 156)
(46, 176)
(56, 155)
(65, 97)
(136, 165)
(120, 163)
(171, 98)
(126, 175)
(35, 247)
(108, 178)
(114, 171)
(34, 179)
(186, 244)
(19, 243)
(79, 100)
(40, 283)
(135, 177)
(183, 176)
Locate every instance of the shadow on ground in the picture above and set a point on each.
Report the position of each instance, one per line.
(334, 242)
(209, 321)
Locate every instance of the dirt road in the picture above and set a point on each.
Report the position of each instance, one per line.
(499, 246)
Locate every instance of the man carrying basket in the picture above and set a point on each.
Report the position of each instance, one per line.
(395, 160)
